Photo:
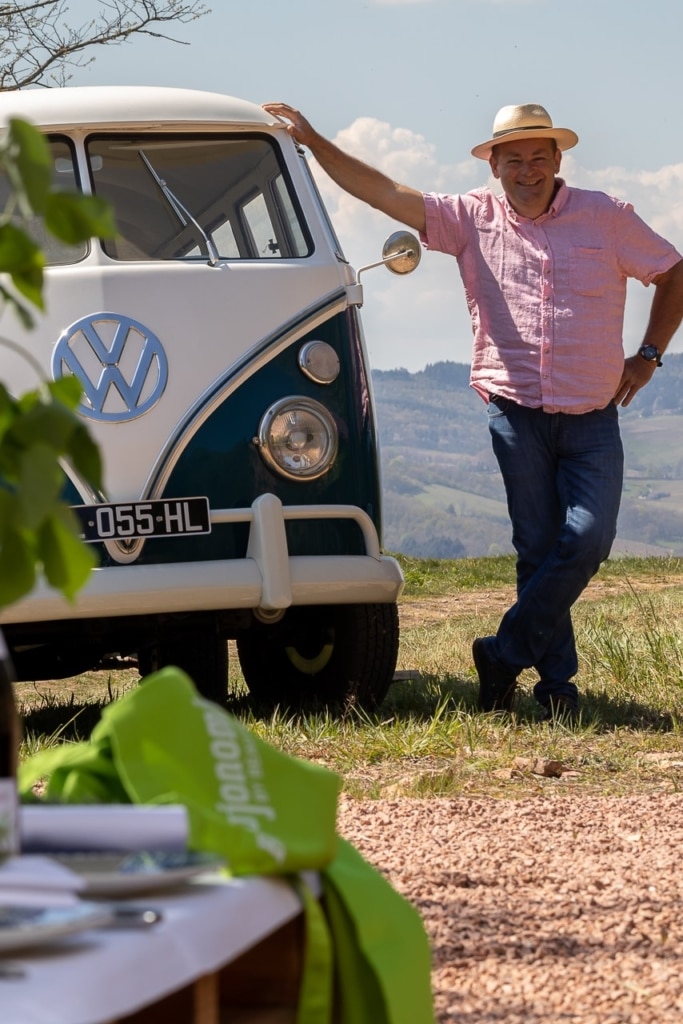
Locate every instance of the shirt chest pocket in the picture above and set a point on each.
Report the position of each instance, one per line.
(588, 271)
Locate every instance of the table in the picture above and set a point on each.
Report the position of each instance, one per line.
(224, 953)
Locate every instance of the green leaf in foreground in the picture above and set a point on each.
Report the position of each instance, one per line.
(23, 260)
(32, 161)
(66, 560)
(84, 456)
(52, 421)
(40, 484)
(17, 561)
(73, 217)
(42, 428)
(23, 314)
(37, 529)
(67, 390)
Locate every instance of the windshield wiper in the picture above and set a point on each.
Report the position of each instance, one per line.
(183, 214)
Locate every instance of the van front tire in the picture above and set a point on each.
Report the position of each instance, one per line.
(201, 653)
(322, 657)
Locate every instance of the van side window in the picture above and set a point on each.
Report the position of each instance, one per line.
(257, 220)
(190, 197)
(285, 204)
(64, 179)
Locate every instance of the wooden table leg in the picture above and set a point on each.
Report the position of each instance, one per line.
(205, 1000)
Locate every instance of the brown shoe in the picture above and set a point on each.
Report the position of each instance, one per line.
(496, 684)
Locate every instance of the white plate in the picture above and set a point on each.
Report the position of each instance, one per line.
(23, 927)
(125, 874)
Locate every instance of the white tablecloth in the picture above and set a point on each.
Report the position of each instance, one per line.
(96, 976)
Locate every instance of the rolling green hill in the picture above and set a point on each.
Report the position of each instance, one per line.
(443, 497)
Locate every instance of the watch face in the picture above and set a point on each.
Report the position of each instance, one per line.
(649, 352)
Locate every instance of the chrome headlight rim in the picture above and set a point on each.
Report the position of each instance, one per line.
(319, 362)
(311, 407)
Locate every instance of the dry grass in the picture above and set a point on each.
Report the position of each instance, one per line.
(429, 738)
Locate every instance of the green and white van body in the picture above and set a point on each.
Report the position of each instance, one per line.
(219, 345)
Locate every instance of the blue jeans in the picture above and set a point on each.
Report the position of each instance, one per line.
(563, 478)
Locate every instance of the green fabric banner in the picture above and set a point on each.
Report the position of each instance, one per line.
(265, 813)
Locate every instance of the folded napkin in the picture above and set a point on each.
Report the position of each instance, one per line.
(34, 881)
(110, 828)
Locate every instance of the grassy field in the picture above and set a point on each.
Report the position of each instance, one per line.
(463, 503)
(655, 442)
(667, 494)
(429, 739)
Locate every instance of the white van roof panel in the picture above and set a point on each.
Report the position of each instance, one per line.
(97, 106)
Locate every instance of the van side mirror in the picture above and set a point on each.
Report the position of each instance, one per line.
(401, 253)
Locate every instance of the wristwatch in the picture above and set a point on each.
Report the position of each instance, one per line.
(650, 353)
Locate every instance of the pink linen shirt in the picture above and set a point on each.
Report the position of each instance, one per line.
(547, 296)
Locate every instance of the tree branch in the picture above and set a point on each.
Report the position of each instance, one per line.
(38, 45)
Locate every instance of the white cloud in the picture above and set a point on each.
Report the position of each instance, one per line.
(422, 318)
(415, 320)
(656, 195)
(403, 154)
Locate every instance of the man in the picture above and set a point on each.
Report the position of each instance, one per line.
(544, 268)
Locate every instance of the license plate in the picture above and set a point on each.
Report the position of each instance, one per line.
(165, 517)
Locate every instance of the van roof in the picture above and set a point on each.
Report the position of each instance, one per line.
(97, 106)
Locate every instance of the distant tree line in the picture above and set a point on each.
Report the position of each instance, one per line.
(434, 437)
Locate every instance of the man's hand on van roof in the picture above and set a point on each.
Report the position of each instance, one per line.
(299, 128)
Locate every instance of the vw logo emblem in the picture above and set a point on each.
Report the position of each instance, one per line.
(120, 364)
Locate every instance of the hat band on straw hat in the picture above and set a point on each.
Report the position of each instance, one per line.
(525, 128)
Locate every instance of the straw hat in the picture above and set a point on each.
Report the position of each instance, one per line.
(524, 121)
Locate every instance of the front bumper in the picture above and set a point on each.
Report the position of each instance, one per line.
(268, 579)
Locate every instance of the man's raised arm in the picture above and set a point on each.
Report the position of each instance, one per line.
(400, 202)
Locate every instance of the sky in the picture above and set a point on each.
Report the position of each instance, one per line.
(411, 86)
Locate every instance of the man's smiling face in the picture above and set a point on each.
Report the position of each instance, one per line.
(526, 170)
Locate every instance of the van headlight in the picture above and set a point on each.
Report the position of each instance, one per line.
(298, 438)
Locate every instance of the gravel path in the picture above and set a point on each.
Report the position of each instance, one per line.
(542, 910)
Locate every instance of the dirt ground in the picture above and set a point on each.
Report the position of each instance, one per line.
(426, 610)
(545, 910)
(539, 911)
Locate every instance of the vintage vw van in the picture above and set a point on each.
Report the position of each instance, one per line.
(218, 342)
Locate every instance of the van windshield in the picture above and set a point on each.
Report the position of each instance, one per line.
(194, 197)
